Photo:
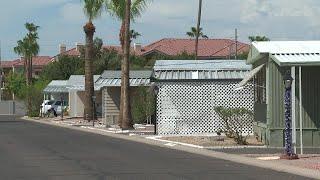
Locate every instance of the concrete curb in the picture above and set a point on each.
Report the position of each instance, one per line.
(277, 166)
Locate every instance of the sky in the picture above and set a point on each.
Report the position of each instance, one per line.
(61, 21)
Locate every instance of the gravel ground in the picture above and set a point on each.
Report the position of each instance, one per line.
(210, 141)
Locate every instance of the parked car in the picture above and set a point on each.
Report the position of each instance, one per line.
(55, 108)
(45, 106)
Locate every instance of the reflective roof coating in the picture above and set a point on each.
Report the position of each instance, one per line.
(56, 86)
(200, 69)
(76, 82)
(287, 46)
(113, 79)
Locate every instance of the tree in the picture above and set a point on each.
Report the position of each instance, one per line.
(117, 9)
(134, 35)
(258, 38)
(125, 108)
(193, 33)
(92, 9)
(28, 47)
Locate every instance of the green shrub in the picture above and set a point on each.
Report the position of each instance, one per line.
(234, 120)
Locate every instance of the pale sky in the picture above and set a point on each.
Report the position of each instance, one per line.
(61, 21)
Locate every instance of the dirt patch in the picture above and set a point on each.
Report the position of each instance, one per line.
(208, 141)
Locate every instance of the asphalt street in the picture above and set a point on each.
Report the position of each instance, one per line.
(35, 151)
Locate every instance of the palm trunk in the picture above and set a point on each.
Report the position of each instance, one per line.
(121, 38)
(89, 30)
(125, 96)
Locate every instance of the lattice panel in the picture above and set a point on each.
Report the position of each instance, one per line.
(185, 108)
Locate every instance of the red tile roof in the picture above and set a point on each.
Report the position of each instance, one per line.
(75, 52)
(36, 61)
(8, 64)
(207, 47)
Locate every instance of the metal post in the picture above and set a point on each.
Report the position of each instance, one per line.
(288, 138)
(300, 110)
(293, 109)
(94, 109)
(62, 109)
(236, 39)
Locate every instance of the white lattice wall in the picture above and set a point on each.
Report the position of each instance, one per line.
(188, 107)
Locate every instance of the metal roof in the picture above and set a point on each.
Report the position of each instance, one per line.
(287, 46)
(200, 69)
(56, 86)
(76, 82)
(226, 64)
(286, 53)
(113, 79)
(296, 59)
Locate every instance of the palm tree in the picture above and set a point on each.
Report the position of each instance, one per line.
(193, 33)
(134, 35)
(27, 48)
(126, 121)
(258, 38)
(92, 9)
(117, 9)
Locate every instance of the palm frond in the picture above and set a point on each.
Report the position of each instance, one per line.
(93, 8)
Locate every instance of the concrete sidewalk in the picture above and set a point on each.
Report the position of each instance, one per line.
(273, 165)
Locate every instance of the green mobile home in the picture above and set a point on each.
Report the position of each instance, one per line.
(270, 61)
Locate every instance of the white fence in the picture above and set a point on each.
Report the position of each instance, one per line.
(185, 108)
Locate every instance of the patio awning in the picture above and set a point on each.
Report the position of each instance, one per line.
(249, 76)
(56, 86)
(296, 59)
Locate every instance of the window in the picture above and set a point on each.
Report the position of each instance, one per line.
(58, 103)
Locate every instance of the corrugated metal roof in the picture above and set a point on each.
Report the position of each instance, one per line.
(296, 59)
(201, 65)
(200, 69)
(76, 82)
(56, 86)
(113, 79)
(287, 46)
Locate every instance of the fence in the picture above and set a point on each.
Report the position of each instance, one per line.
(7, 110)
(188, 107)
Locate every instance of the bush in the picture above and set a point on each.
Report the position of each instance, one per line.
(142, 105)
(234, 120)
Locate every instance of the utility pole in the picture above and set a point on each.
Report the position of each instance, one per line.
(236, 42)
(198, 28)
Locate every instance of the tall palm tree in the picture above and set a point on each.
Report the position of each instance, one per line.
(126, 121)
(193, 33)
(118, 9)
(92, 9)
(27, 48)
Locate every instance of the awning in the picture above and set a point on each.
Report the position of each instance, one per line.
(296, 59)
(249, 76)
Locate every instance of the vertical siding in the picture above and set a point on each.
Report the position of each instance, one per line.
(311, 97)
(310, 94)
(276, 96)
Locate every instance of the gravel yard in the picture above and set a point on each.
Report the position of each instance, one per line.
(209, 141)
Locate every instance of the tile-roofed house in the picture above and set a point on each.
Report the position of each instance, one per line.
(208, 48)
(38, 63)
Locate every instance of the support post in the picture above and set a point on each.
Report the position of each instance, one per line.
(300, 110)
(293, 109)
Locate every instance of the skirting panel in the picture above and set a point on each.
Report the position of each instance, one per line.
(186, 108)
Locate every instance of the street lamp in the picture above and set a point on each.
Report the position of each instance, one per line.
(156, 92)
(289, 154)
(94, 109)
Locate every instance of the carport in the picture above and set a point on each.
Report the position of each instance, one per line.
(270, 61)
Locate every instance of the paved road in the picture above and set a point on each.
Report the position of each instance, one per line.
(35, 151)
